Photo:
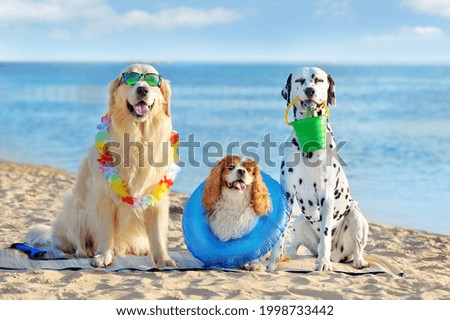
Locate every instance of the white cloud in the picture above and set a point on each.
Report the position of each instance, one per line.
(434, 7)
(98, 17)
(422, 31)
(333, 9)
(179, 17)
(409, 34)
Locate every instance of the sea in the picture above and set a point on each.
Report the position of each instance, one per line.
(392, 124)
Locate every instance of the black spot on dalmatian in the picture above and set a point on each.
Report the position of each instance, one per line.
(334, 165)
(312, 76)
(336, 192)
(303, 209)
(310, 203)
(292, 200)
(325, 180)
(325, 232)
(342, 249)
(300, 181)
(301, 201)
(319, 113)
(293, 230)
(308, 218)
(338, 196)
(322, 201)
(294, 141)
(282, 164)
(337, 185)
(310, 155)
(288, 195)
(282, 172)
(333, 231)
(320, 219)
(331, 146)
(344, 259)
(301, 80)
(318, 229)
(345, 228)
(290, 169)
(346, 196)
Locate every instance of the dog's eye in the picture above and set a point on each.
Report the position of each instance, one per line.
(301, 80)
(230, 167)
(249, 170)
(319, 80)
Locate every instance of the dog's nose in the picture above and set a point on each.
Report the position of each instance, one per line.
(142, 91)
(310, 92)
(241, 172)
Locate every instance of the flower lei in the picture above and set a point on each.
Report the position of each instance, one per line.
(111, 173)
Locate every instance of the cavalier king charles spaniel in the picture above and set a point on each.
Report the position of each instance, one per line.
(234, 197)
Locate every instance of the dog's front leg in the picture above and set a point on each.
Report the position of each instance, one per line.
(103, 230)
(288, 182)
(157, 227)
(323, 262)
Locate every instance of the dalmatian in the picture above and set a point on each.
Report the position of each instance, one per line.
(331, 225)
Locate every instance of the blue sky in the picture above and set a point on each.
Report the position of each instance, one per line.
(346, 31)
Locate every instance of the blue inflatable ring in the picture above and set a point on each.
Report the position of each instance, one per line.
(212, 252)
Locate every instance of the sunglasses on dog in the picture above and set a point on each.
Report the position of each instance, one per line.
(131, 78)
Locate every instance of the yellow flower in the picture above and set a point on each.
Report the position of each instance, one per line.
(160, 191)
(119, 187)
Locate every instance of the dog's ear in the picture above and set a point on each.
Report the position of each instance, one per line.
(286, 92)
(331, 92)
(113, 86)
(212, 189)
(260, 195)
(167, 93)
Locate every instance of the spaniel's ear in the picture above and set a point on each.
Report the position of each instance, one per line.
(260, 195)
(331, 92)
(113, 86)
(167, 93)
(212, 189)
(286, 92)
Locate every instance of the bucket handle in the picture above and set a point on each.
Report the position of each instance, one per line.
(286, 114)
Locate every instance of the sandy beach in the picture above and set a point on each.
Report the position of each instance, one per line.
(30, 195)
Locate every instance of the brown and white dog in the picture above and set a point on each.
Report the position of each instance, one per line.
(234, 197)
(94, 222)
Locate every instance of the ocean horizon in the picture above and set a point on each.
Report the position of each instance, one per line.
(392, 122)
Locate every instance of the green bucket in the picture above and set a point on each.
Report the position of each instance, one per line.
(311, 133)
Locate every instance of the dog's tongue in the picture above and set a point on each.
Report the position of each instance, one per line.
(140, 108)
(239, 185)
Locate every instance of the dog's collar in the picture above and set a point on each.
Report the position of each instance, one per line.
(288, 107)
(111, 173)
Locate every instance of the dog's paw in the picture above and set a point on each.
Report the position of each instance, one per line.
(323, 264)
(165, 263)
(360, 263)
(101, 260)
(272, 266)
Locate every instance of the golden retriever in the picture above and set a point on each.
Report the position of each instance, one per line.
(94, 221)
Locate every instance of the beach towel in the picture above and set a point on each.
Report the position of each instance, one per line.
(12, 259)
